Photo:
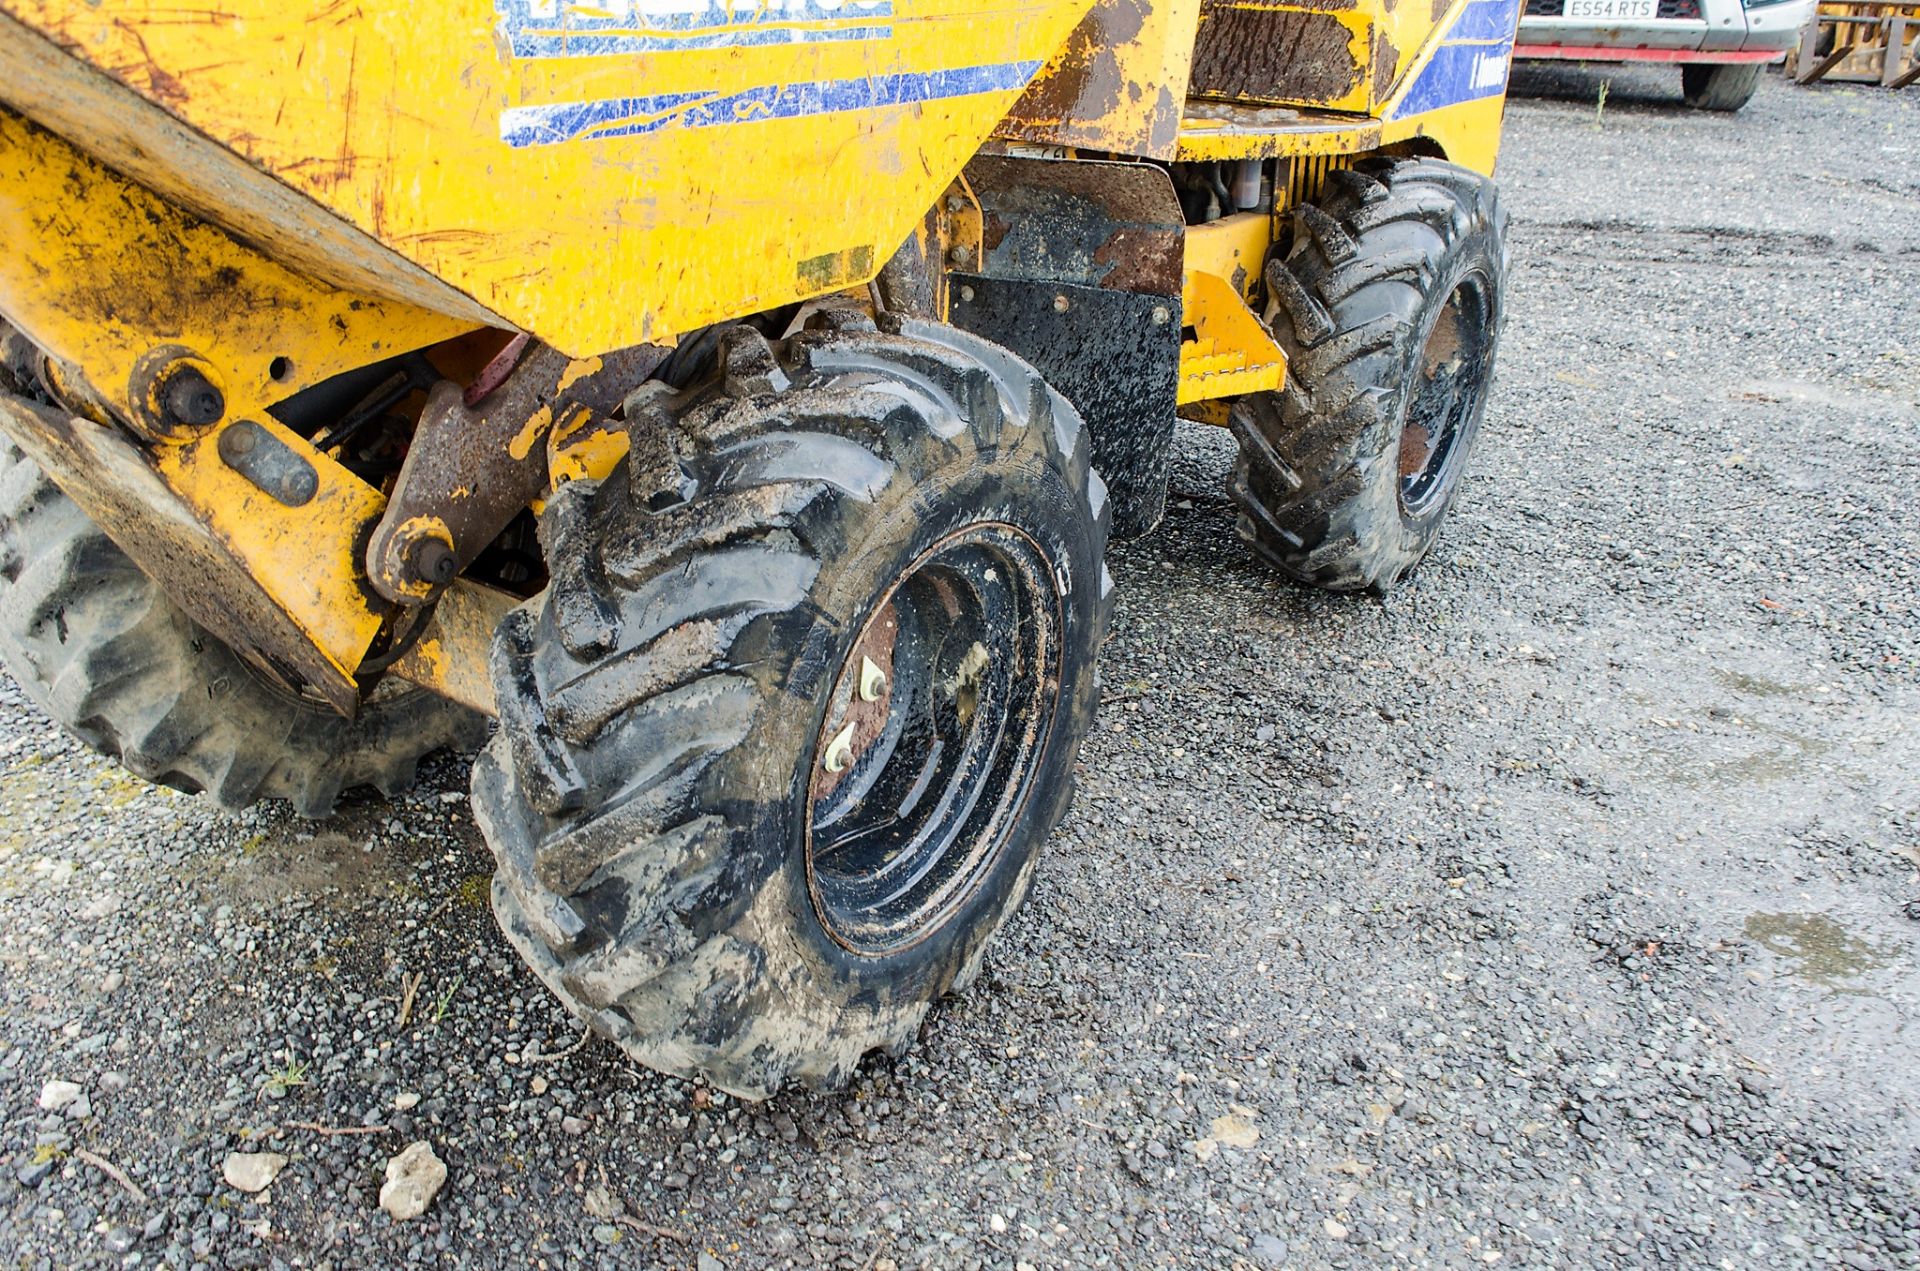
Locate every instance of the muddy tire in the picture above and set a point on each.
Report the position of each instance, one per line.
(1727, 86)
(102, 650)
(1388, 303)
(780, 743)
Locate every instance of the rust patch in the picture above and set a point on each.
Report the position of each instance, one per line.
(1439, 10)
(1110, 225)
(1384, 65)
(1137, 260)
(1273, 55)
(866, 720)
(1084, 80)
(1092, 91)
(162, 86)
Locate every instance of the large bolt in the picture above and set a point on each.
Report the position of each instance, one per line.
(190, 400)
(434, 561)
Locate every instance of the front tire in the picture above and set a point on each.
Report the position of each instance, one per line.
(1388, 304)
(782, 740)
(1724, 87)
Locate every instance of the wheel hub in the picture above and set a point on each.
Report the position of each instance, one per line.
(1448, 386)
(936, 723)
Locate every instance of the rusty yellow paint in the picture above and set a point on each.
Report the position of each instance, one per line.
(749, 174)
(451, 655)
(305, 557)
(1232, 352)
(142, 141)
(583, 447)
(253, 572)
(1332, 52)
(115, 282)
(1232, 247)
(1351, 56)
(578, 370)
(1229, 130)
(1467, 134)
(410, 533)
(1116, 84)
(100, 272)
(532, 431)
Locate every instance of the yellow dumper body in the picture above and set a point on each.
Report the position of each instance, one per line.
(277, 196)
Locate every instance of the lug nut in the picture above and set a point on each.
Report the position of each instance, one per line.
(839, 750)
(873, 680)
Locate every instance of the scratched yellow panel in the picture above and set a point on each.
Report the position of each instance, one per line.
(1404, 28)
(598, 181)
(1117, 83)
(99, 272)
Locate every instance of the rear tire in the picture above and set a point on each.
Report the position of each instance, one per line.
(1723, 86)
(1388, 305)
(102, 650)
(713, 848)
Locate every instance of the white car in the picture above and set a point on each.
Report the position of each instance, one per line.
(1719, 45)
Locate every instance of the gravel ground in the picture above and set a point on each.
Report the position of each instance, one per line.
(1559, 910)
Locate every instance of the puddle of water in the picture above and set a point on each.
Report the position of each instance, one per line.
(1832, 395)
(1754, 685)
(1789, 760)
(1821, 950)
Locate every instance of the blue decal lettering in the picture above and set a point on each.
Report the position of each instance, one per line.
(633, 116)
(556, 28)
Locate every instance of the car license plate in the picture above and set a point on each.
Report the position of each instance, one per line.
(1612, 10)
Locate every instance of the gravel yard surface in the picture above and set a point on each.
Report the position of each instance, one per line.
(1562, 909)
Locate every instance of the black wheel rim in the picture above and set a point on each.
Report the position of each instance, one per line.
(1443, 404)
(932, 737)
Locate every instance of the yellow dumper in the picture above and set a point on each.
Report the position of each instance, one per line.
(734, 401)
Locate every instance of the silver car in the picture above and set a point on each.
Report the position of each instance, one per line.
(1719, 45)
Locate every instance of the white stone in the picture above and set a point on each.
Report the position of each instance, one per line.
(251, 1172)
(56, 1095)
(101, 906)
(414, 1178)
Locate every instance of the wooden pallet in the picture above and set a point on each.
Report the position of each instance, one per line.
(1860, 41)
